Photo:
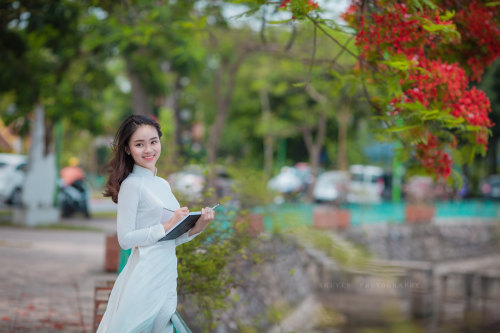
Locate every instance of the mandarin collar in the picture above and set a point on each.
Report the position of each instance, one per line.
(141, 171)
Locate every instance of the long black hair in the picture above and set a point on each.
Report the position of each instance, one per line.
(121, 164)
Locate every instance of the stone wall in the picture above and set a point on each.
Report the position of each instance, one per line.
(427, 242)
(266, 291)
(269, 291)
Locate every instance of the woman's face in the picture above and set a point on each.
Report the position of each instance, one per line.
(144, 146)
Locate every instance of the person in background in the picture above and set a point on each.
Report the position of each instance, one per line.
(73, 196)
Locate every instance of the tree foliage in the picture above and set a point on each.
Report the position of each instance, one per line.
(42, 62)
(417, 60)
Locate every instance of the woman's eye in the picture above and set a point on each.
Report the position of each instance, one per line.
(138, 145)
(154, 142)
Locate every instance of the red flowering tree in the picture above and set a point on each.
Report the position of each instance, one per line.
(417, 60)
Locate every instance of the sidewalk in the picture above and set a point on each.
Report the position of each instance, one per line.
(47, 277)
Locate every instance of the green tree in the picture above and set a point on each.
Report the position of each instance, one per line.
(491, 85)
(405, 54)
(43, 63)
(160, 46)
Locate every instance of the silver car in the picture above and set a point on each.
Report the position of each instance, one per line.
(12, 173)
(331, 186)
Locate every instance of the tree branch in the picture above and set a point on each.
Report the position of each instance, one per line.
(314, 94)
(292, 38)
(334, 61)
(316, 24)
(263, 26)
(308, 139)
(312, 58)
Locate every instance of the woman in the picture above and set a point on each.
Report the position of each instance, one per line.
(144, 296)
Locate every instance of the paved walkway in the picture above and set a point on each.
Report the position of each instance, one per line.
(47, 277)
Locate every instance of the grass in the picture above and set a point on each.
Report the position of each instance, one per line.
(5, 216)
(55, 226)
(104, 215)
(73, 227)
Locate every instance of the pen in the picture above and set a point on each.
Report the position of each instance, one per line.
(173, 211)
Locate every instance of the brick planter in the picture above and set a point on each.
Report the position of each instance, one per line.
(112, 253)
(252, 223)
(326, 217)
(256, 223)
(102, 290)
(419, 213)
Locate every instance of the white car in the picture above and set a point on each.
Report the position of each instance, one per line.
(366, 185)
(287, 181)
(331, 186)
(189, 183)
(12, 173)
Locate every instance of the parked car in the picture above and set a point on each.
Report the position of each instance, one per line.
(419, 188)
(304, 172)
(331, 187)
(367, 184)
(490, 187)
(190, 182)
(12, 174)
(287, 184)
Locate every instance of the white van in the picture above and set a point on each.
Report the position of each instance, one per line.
(12, 173)
(366, 185)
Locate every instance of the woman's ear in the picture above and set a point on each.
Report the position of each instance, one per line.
(127, 151)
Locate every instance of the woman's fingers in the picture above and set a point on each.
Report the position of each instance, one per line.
(207, 213)
(210, 213)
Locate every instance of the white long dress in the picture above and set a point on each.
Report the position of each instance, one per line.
(144, 296)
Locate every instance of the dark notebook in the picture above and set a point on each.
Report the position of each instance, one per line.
(183, 225)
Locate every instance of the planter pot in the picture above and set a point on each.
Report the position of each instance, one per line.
(102, 290)
(331, 218)
(112, 254)
(256, 226)
(419, 213)
(253, 223)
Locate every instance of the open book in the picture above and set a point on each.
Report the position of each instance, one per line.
(183, 225)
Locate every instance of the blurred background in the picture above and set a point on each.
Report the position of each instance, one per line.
(344, 238)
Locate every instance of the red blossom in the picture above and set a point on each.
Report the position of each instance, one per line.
(312, 4)
(441, 66)
(388, 28)
(284, 3)
(394, 30)
(432, 158)
(480, 36)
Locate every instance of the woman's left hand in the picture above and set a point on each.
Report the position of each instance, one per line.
(207, 215)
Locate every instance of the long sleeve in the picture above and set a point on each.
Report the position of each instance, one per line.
(128, 203)
(184, 238)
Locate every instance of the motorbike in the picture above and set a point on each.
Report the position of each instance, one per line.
(73, 198)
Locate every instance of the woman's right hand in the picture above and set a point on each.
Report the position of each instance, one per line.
(179, 214)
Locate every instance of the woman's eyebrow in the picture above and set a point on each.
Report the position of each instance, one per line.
(153, 138)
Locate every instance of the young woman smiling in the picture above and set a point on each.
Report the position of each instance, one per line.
(144, 296)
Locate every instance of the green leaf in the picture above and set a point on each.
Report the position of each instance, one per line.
(456, 156)
(468, 153)
(447, 15)
(402, 128)
(246, 14)
(280, 21)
